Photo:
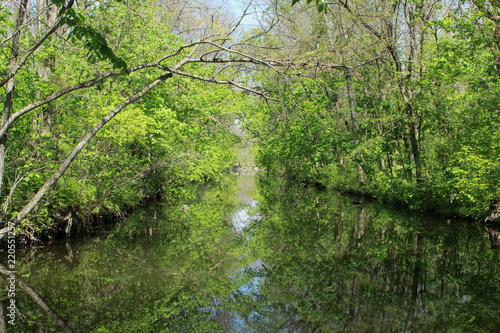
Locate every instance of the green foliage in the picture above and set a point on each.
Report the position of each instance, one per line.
(423, 135)
(475, 180)
(320, 4)
(94, 42)
(174, 136)
(97, 46)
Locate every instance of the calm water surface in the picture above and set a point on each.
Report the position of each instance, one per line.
(260, 255)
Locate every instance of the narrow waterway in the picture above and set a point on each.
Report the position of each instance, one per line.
(258, 254)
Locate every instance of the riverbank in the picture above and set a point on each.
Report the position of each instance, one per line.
(426, 198)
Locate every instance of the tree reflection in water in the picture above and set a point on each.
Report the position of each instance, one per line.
(311, 262)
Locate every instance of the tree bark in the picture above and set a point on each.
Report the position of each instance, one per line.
(45, 70)
(352, 100)
(10, 84)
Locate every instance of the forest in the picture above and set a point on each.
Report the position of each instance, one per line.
(249, 166)
(109, 105)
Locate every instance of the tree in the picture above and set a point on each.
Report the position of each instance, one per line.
(113, 84)
(392, 91)
(491, 10)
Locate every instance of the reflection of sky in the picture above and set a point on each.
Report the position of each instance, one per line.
(233, 321)
(251, 288)
(242, 217)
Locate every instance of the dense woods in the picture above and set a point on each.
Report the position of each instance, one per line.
(398, 100)
(246, 152)
(69, 68)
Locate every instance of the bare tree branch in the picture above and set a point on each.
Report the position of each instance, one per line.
(64, 91)
(225, 82)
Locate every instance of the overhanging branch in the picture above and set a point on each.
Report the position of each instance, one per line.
(78, 148)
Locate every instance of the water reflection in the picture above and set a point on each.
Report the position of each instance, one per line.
(243, 220)
(338, 267)
(272, 258)
(244, 216)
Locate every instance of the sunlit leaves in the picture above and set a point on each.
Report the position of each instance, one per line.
(417, 122)
(93, 41)
(97, 46)
(320, 4)
(475, 180)
(174, 135)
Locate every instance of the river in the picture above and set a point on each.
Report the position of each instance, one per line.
(258, 254)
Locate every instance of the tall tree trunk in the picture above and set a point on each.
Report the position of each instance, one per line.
(352, 100)
(413, 135)
(47, 67)
(10, 84)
